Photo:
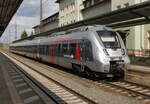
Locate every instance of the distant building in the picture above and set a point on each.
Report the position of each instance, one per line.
(47, 24)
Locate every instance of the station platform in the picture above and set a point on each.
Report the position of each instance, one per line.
(138, 74)
(4, 92)
(139, 68)
(15, 88)
(7, 94)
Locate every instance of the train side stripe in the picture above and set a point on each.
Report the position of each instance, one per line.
(77, 51)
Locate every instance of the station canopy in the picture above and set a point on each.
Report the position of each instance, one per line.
(137, 14)
(7, 9)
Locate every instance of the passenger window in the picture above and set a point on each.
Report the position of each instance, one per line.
(64, 48)
(58, 49)
(72, 47)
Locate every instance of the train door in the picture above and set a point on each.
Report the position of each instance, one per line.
(38, 49)
(52, 53)
(34, 51)
(86, 50)
(38, 52)
(58, 53)
(82, 50)
(65, 59)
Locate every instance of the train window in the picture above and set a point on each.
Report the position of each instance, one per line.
(59, 46)
(64, 48)
(34, 49)
(44, 52)
(54, 49)
(109, 39)
(41, 49)
(50, 50)
(72, 48)
(47, 50)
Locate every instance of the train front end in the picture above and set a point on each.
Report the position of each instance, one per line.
(113, 56)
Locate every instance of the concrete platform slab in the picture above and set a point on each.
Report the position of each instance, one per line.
(138, 74)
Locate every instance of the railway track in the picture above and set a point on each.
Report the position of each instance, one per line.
(128, 89)
(55, 90)
(139, 90)
(123, 87)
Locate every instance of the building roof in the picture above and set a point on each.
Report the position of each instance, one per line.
(49, 19)
(7, 9)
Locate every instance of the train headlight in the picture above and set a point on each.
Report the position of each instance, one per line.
(105, 51)
(123, 51)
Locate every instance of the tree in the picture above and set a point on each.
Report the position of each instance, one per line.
(24, 34)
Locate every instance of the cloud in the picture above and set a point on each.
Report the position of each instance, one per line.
(27, 16)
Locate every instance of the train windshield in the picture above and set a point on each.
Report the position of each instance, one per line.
(109, 39)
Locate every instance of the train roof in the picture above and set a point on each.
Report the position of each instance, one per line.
(72, 32)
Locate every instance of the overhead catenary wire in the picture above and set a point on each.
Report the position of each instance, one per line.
(35, 10)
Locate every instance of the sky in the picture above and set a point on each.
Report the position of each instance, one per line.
(28, 16)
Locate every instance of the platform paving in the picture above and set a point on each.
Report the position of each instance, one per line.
(4, 93)
(138, 74)
(139, 68)
(6, 97)
(16, 89)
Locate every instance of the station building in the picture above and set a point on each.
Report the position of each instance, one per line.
(47, 24)
(69, 11)
(76, 10)
(138, 38)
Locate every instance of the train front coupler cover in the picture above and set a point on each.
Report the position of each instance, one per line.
(117, 68)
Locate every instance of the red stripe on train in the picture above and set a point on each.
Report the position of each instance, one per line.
(61, 39)
(77, 51)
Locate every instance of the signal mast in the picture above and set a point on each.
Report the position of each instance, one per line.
(41, 11)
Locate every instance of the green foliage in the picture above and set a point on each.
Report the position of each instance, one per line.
(24, 34)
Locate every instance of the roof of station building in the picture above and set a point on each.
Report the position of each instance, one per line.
(7, 9)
